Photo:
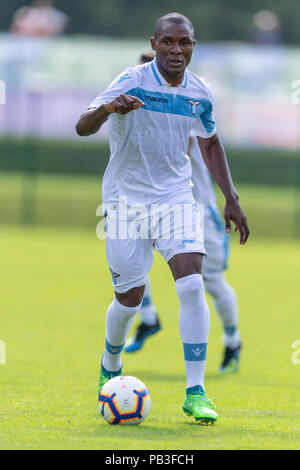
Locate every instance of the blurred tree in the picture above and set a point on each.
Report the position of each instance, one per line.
(213, 20)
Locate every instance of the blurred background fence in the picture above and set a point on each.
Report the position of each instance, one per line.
(50, 176)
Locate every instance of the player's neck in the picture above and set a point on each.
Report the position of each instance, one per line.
(173, 80)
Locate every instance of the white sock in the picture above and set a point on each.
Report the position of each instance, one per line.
(118, 323)
(194, 322)
(148, 311)
(225, 302)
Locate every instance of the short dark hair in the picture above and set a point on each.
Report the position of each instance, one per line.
(176, 18)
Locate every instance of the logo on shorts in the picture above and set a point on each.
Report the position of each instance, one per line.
(187, 242)
(194, 105)
(114, 276)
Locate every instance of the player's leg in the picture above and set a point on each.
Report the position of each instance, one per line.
(119, 319)
(194, 323)
(194, 316)
(148, 311)
(224, 297)
(150, 323)
(225, 302)
(129, 261)
(184, 254)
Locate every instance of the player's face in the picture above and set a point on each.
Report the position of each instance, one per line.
(174, 48)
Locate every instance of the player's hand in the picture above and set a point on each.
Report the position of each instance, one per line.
(123, 104)
(234, 212)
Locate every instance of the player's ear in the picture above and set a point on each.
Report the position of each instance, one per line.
(153, 43)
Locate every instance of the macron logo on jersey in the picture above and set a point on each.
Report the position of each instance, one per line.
(157, 99)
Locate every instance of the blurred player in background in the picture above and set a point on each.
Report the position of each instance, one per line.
(266, 28)
(39, 19)
(217, 248)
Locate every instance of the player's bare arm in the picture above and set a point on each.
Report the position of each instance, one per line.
(215, 159)
(91, 121)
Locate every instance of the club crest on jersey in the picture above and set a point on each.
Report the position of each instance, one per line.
(194, 105)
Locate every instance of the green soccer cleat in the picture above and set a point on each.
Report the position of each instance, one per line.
(105, 376)
(201, 408)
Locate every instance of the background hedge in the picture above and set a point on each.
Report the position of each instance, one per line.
(90, 158)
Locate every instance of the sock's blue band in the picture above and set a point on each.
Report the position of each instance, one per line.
(194, 352)
(146, 301)
(194, 390)
(113, 349)
(230, 330)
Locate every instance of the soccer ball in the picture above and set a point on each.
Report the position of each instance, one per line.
(124, 400)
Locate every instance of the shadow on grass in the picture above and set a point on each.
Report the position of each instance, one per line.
(154, 432)
(151, 431)
(178, 378)
(218, 376)
(158, 376)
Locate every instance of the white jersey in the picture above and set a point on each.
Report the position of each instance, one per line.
(148, 162)
(203, 189)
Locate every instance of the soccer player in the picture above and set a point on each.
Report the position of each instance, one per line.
(151, 111)
(216, 245)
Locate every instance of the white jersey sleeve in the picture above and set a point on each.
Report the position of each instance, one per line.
(123, 83)
(205, 126)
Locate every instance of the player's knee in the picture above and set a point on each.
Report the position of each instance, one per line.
(211, 285)
(218, 287)
(132, 298)
(190, 287)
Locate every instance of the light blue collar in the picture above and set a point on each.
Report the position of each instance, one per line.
(161, 80)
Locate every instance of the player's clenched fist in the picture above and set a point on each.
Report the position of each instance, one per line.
(91, 121)
(123, 104)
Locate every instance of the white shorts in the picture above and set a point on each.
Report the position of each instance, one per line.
(216, 242)
(130, 258)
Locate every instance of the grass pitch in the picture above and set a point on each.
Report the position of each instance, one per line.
(55, 289)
